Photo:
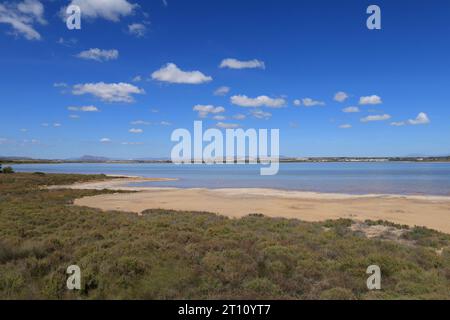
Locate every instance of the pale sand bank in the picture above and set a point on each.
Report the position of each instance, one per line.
(119, 183)
(429, 211)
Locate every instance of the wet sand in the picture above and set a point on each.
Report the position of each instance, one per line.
(429, 211)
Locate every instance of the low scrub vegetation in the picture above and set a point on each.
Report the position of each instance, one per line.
(6, 170)
(197, 255)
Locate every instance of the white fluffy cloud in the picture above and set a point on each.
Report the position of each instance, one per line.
(239, 116)
(421, 118)
(297, 102)
(137, 29)
(237, 64)
(308, 102)
(105, 140)
(219, 118)
(345, 126)
(33, 8)
(84, 109)
(350, 109)
(205, 110)
(224, 125)
(109, 92)
(135, 130)
(171, 73)
(22, 17)
(373, 99)
(340, 96)
(261, 101)
(111, 10)
(380, 117)
(259, 114)
(99, 54)
(221, 91)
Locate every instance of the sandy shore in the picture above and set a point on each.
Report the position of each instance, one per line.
(429, 211)
(119, 183)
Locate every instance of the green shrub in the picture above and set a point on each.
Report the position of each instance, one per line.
(337, 294)
(261, 287)
(7, 170)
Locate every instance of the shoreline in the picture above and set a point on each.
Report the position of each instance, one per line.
(121, 183)
(20, 162)
(427, 211)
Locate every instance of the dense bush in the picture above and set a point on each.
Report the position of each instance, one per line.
(7, 170)
(166, 254)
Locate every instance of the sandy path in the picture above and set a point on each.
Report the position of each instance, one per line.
(432, 212)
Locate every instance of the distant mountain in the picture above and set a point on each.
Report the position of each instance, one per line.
(13, 158)
(88, 158)
(99, 159)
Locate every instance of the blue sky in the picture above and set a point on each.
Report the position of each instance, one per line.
(137, 70)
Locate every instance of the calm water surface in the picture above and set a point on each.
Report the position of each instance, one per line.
(353, 178)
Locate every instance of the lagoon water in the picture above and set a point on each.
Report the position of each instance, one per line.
(410, 178)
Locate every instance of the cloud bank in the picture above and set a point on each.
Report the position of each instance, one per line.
(109, 92)
(237, 64)
(260, 101)
(22, 18)
(112, 10)
(374, 99)
(99, 54)
(172, 74)
(205, 110)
